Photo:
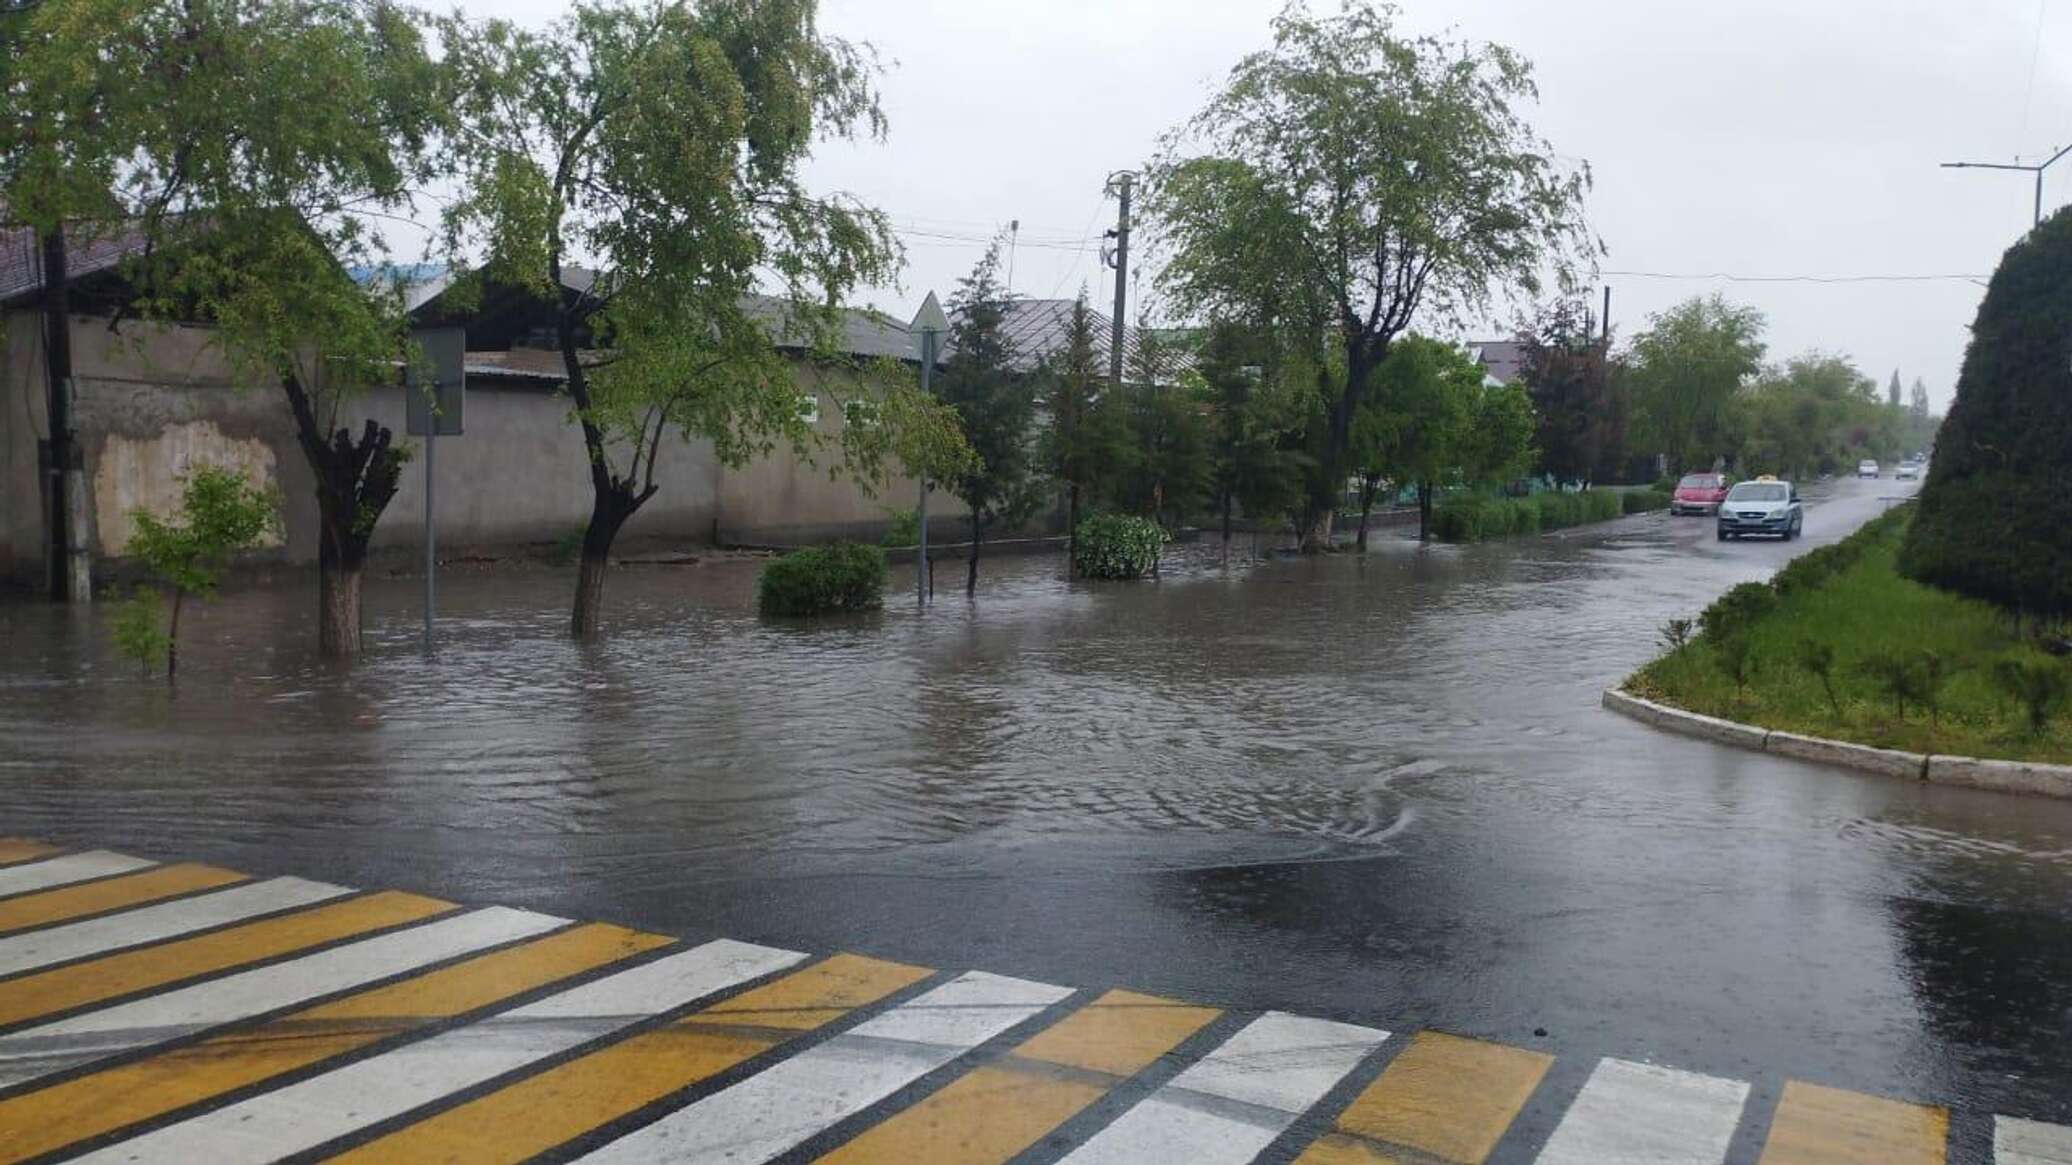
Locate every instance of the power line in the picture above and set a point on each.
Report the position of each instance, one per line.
(1734, 278)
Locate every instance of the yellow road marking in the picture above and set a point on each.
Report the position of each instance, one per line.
(1444, 1097)
(110, 976)
(126, 890)
(113, 1098)
(996, 1111)
(15, 849)
(539, 1112)
(1827, 1126)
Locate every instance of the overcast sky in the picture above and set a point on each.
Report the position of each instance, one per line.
(1749, 137)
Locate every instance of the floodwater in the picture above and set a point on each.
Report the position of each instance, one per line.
(1378, 789)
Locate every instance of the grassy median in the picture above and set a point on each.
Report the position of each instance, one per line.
(1839, 645)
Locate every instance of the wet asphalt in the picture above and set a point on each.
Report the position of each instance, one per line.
(1375, 789)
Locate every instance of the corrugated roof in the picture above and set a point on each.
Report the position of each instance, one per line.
(1039, 329)
(86, 252)
(1504, 360)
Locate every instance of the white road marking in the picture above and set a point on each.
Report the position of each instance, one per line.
(67, 1043)
(1641, 1114)
(2026, 1142)
(1233, 1103)
(304, 1115)
(96, 936)
(790, 1101)
(62, 871)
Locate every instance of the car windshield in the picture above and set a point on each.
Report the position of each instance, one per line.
(1700, 481)
(1757, 491)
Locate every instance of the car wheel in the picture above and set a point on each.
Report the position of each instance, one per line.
(1723, 535)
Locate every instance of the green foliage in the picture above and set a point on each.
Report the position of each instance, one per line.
(1733, 612)
(1644, 501)
(995, 404)
(1819, 660)
(1170, 468)
(1581, 428)
(1883, 631)
(566, 547)
(1116, 546)
(1995, 518)
(221, 513)
(1256, 418)
(1735, 657)
(136, 628)
(1086, 444)
(820, 580)
(1676, 634)
(1686, 369)
(1817, 414)
(1350, 178)
(1475, 517)
(2038, 683)
(904, 529)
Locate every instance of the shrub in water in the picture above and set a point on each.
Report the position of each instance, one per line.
(1116, 546)
(820, 580)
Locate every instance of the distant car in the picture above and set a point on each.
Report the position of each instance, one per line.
(1762, 506)
(1866, 469)
(1908, 471)
(1699, 493)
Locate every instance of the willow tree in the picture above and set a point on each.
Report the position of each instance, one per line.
(660, 144)
(248, 150)
(1355, 178)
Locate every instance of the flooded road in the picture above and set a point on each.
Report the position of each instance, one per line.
(1373, 789)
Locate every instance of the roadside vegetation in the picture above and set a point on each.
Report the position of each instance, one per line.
(1840, 645)
(823, 580)
(1472, 519)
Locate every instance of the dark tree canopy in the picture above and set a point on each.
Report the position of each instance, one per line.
(1567, 373)
(1996, 511)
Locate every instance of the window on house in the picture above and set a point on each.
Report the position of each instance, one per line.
(864, 413)
(809, 408)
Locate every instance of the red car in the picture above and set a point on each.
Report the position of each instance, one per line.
(1699, 493)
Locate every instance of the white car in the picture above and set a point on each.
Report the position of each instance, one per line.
(1866, 469)
(1763, 506)
(1908, 471)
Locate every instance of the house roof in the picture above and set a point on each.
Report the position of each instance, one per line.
(1039, 329)
(1503, 359)
(86, 253)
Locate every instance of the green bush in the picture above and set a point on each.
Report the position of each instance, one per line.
(136, 629)
(1116, 546)
(1731, 613)
(2038, 683)
(905, 529)
(1995, 518)
(1644, 501)
(1473, 518)
(819, 580)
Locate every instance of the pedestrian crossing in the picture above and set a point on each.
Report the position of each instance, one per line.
(187, 1013)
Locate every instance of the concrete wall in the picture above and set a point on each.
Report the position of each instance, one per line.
(153, 400)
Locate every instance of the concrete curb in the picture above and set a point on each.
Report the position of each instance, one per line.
(2003, 776)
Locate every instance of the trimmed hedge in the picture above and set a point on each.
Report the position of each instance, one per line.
(1644, 501)
(1116, 546)
(1996, 515)
(820, 580)
(1472, 519)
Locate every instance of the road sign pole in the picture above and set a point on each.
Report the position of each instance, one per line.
(928, 326)
(431, 553)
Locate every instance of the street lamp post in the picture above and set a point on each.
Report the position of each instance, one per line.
(2036, 169)
(929, 324)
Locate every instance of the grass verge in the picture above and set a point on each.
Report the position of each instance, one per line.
(1839, 645)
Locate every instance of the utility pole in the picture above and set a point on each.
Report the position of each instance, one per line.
(1121, 183)
(70, 575)
(1607, 317)
(2036, 169)
(1014, 236)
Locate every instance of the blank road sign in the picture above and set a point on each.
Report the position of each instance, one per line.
(443, 364)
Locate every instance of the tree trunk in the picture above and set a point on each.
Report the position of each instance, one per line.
(608, 513)
(1316, 531)
(338, 607)
(1424, 511)
(971, 564)
(172, 638)
(1226, 523)
(356, 480)
(1368, 487)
